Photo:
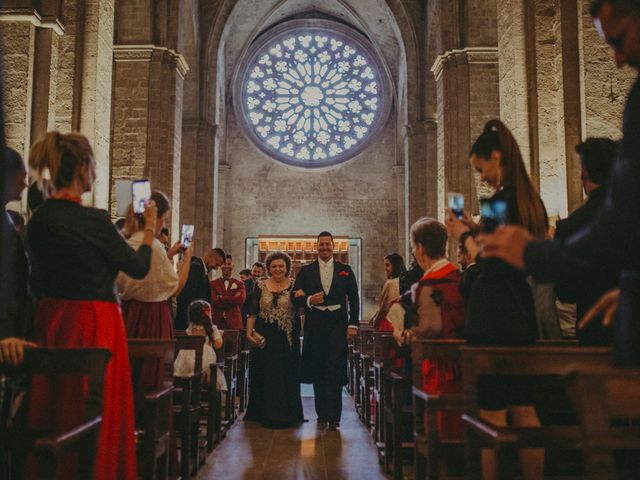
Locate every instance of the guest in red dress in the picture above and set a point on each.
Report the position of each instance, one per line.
(227, 297)
(77, 253)
(144, 301)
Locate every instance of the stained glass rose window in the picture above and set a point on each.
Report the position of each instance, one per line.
(312, 93)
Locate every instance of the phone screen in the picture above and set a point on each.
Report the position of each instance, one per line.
(456, 204)
(141, 193)
(494, 214)
(187, 235)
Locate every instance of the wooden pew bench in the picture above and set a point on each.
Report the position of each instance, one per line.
(608, 408)
(153, 410)
(50, 447)
(230, 354)
(187, 408)
(536, 362)
(432, 453)
(365, 383)
(384, 352)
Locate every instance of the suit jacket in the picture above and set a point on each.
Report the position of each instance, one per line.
(196, 288)
(226, 303)
(249, 285)
(343, 291)
(611, 242)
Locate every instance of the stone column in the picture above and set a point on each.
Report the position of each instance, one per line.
(223, 214)
(467, 91)
(147, 118)
(414, 136)
(400, 179)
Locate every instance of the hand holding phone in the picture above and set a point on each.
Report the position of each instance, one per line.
(141, 194)
(494, 214)
(186, 237)
(456, 204)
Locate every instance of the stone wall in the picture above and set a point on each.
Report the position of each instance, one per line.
(356, 199)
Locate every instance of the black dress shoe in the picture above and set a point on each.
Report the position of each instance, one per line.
(322, 422)
(333, 426)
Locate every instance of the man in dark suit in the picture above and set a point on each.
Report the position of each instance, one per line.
(197, 286)
(227, 296)
(328, 291)
(596, 158)
(612, 240)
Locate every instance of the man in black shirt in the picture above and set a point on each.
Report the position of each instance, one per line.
(612, 240)
(596, 158)
(197, 286)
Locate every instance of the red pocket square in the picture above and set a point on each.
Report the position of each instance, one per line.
(343, 274)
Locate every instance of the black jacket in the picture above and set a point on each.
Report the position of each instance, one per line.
(196, 288)
(77, 252)
(586, 287)
(611, 242)
(344, 289)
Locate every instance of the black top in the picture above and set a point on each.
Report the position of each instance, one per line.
(77, 252)
(344, 288)
(587, 286)
(612, 240)
(16, 304)
(196, 288)
(500, 309)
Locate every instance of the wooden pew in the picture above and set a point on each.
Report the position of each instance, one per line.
(365, 383)
(242, 377)
(384, 347)
(49, 447)
(430, 450)
(187, 407)
(153, 410)
(608, 407)
(230, 352)
(356, 373)
(534, 361)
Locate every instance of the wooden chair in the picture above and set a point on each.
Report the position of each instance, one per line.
(49, 447)
(535, 361)
(430, 449)
(231, 350)
(187, 407)
(153, 410)
(608, 407)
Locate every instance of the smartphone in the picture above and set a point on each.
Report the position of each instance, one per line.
(140, 193)
(494, 214)
(187, 235)
(123, 196)
(456, 204)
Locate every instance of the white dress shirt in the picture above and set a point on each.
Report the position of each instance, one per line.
(326, 274)
(160, 283)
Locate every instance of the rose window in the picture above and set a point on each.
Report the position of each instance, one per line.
(312, 94)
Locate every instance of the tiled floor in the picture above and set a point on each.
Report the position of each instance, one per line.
(304, 452)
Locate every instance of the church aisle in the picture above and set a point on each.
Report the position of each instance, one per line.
(305, 452)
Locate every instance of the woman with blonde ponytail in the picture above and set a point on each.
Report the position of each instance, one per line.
(77, 253)
(500, 307)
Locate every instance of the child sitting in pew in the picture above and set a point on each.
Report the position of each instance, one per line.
(199, 315)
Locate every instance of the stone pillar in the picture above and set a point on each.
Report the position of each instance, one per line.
(431, 161)
(44, 85)
(414, 136)
(400, 178)
(147, 118)
(467, 91)
(95, 102)
(223, 214)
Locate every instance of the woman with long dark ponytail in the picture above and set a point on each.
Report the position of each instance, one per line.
(500, 307)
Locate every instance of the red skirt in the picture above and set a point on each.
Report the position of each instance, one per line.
(147, 320)
(57, 405)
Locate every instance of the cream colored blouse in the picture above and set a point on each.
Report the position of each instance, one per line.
(160, 283)
(390, 293)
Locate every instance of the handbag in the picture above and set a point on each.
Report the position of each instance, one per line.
(260, 340)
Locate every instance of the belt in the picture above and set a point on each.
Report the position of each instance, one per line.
(327, 308)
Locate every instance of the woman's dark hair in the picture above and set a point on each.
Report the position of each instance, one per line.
(13, 162)
(199, 313)
(620, 7)
(244, 271)
(278, 256)
(497, 137)
(61, 154)
(397, 264)
(37, 193)
(432, 235)
(597, 155)
(162, 203)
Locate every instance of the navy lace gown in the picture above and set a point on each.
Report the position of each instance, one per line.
(274, 393)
